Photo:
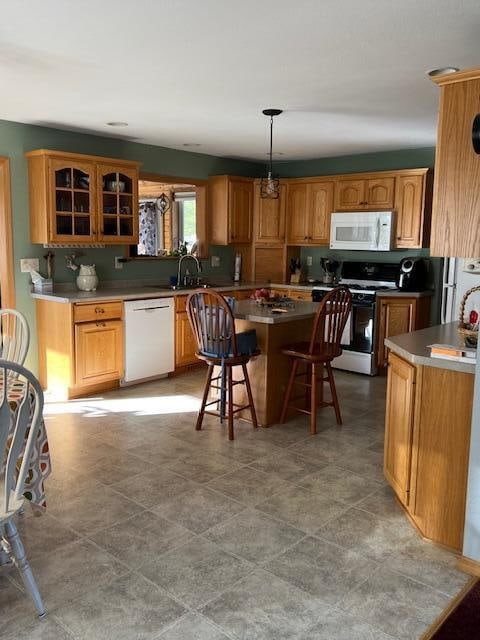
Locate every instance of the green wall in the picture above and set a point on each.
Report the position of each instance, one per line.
(16, 139)
(382, 161)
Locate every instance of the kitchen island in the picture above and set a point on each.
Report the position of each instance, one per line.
(427, 432)
(270, 370)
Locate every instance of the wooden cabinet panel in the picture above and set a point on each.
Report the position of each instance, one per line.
(98, 351)
(456, 199)
(380, 193)
(230, 206)
(320, 206)
(399, 425)
(241, 205)
(185, 343)
(117, 189)
(72, 207)
(409, 205)
(98, 311)
(269, 264)
(297, 213)
(396, 315)
(269, 217)
(350, 195)
(244, 294)
(298, 294)
(399, 315)
(441, 445)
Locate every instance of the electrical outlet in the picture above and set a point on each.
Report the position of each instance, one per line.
(215, 261)
(309, 261)
(118, 263)
(29, 264)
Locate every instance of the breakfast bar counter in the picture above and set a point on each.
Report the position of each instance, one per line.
(270, 370)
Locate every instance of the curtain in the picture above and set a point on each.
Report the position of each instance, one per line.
(148, 229)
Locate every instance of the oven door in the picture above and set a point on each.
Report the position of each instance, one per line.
(362, 328)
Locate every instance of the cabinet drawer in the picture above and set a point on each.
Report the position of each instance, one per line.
(98, 311)
(299, 294)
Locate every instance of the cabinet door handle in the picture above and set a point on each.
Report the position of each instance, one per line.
(101, 324)
(99, 310)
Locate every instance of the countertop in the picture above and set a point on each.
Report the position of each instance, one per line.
(253, 312)
(139, 291)
(413, 347)
(142, 290)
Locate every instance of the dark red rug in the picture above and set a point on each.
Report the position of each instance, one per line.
(461, 619)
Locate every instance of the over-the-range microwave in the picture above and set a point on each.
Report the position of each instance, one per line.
(362, 230)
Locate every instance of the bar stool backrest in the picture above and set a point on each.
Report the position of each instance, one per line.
(330, 320)
(212, 322)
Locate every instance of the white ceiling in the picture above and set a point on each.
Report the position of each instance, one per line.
(349, 74)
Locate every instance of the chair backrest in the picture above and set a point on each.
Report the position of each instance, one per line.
(212, 323)
(21, 410)
(331, 318)
(14, 336)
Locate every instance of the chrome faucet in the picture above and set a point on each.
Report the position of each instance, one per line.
(179, 273)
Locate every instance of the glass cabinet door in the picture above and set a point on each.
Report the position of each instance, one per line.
(72, 206)
(118, 204)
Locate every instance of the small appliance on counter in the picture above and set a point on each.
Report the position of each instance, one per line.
(329, 267)
(412, 274)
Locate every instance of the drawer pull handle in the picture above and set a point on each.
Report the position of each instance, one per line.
(101, 324)
(99, 310)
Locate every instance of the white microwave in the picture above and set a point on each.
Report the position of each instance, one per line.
(362, 230)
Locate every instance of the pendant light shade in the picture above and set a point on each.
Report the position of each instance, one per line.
(163, 203)
(270, 185)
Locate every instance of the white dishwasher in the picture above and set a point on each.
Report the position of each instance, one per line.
(149, 339)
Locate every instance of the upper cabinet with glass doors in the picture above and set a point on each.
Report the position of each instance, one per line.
(78, 199)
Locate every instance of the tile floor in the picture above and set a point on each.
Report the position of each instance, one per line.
(155, 531)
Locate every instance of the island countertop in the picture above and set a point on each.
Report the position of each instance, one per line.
(253, 312)
(413, 347)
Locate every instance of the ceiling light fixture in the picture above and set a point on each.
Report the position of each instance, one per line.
(442, 71)
(117, 124)
(163, 203)
(270, 186)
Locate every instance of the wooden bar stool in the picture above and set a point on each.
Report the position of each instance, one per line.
(317, 355)
(213, 326)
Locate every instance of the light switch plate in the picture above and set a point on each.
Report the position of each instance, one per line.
(118, 264)
(29, 264)
(215, 261)
(309, 261)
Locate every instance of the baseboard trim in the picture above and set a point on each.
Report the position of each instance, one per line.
(467, 565)
(446, 612)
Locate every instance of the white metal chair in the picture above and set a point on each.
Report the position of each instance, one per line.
(18, 431)
(14, 336)
(14, 343)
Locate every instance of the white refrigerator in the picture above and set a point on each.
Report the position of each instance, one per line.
(459, 275)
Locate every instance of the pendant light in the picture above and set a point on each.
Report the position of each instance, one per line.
(163, 203)
(270, 186)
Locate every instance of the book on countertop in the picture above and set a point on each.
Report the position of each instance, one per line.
(453, 352)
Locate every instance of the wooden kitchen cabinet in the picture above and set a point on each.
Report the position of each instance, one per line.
(397, 315)
(399, 426)
(117, 189)
(309, 208)
(67, 203)
(269, 263)
(412, 209)
(456, 203)
(269, 216)
(185, 342)
(98, 351)
(80, 346)
(427, 444)
(230, 204)
(354, 194)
